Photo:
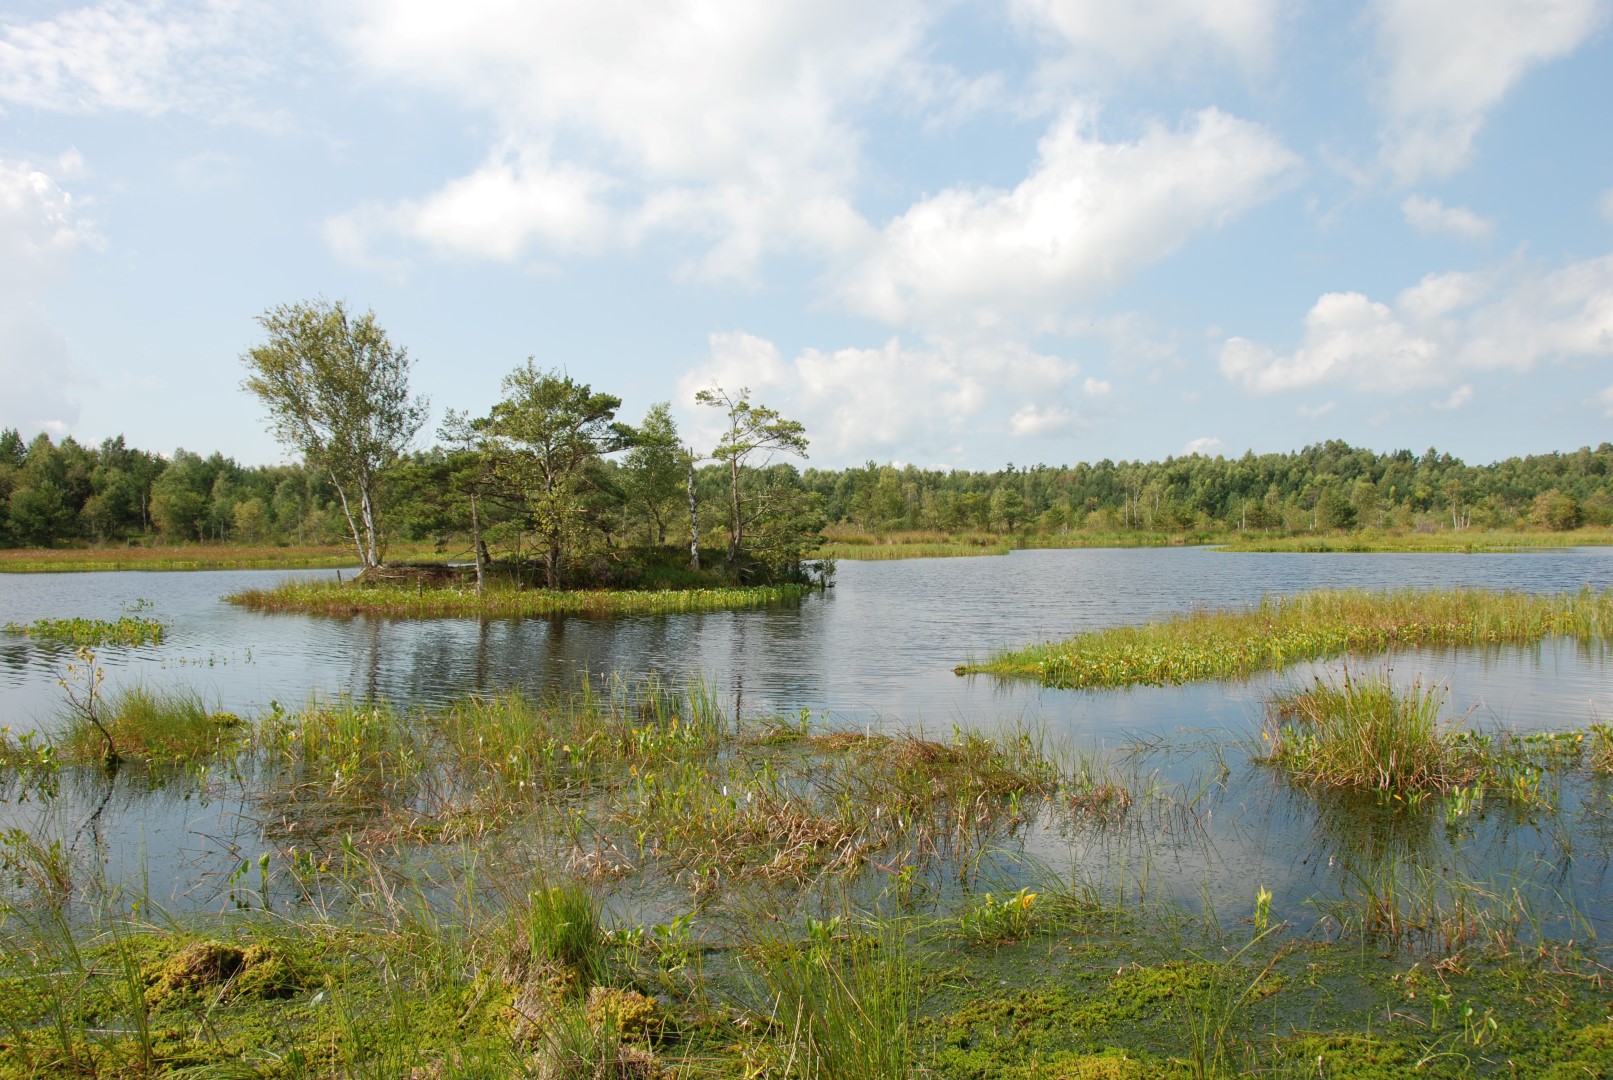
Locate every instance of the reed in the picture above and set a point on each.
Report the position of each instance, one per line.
(1284, 630)
(339, 599)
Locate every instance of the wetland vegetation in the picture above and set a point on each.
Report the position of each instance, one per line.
(1284, 630)
(626, 882)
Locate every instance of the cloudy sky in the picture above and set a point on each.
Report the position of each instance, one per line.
(946, 233)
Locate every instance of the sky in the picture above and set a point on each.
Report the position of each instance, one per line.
(950, 234)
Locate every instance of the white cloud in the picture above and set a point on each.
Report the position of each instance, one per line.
(724, 120)
(1089, 215)
(1103, 35)
(1605, 205)
(1434, 218)
(1316, 412)
(41, 226)
(1208, 445)
(1457, 398)
(867, 402)
(1605, 400)
(1448, 62)
(1445, 326)
(143, 56)
(1032, 421)
(1096, 387)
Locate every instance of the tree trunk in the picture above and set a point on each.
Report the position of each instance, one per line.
(694, 521)
(736, 530)
(476, 543)
(352, 526)
(366, 511)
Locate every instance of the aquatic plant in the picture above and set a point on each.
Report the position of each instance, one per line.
(154, 725)
(401, 602)
(1284, 630)
(128, 630)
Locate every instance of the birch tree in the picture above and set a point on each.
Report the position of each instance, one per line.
(337, 391)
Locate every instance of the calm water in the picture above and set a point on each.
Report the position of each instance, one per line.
(877, 650)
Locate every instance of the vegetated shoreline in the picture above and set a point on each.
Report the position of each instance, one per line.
(849, 544)
(164, 557)
(501, 601)
(755, 836)
(1284, 630)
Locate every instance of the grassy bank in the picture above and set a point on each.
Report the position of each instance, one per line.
(1309, 626)
(501, 602)
(856, 544)
(1469, 541)
(194, 557)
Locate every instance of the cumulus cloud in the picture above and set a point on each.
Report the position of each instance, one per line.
(1605, 400)
(1316, 412)
(1440, 329)
(726, 121)
(41, 226)
(1208, 445)
(1096, 387)
(144, 56)
(1089, 215)
(1456, 399)
(1447, 63)
(868, 402)
(1142, 33)
(1433, 218)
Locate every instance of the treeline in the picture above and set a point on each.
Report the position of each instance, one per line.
(1326, 487)
(54, 493)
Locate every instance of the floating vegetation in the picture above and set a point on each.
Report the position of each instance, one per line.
(347, 599)
(128, 630)
(1284, 630)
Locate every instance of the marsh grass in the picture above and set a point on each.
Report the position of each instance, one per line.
(1369, 540)
(403, 602)
(128, 630)
(153, 725)
(1285, 630)
(195, 557)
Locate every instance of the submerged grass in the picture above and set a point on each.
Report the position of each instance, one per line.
(1284, 630)
(128, 630)
(336, 598)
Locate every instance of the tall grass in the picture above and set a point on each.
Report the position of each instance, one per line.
(1362, 733)
(194, 557)
(1284, 630)
(154, 725)
(1371, 540)
(335, 598)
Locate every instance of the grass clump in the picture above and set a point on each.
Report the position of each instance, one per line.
(336, 598)
(1465, 542)
(1364, 734)
(1284, 630)
(128, 630)
(156, 726)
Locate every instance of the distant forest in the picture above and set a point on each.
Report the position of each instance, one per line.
(54, 493)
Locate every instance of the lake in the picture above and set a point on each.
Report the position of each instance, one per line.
(875, 651)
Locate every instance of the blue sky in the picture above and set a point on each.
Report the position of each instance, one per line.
(949, 234)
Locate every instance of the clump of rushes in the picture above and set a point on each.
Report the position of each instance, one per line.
(1362, 733)
(152, 725)
(1284, 630)
(1601, 749)
(128, 630)
(402, 602)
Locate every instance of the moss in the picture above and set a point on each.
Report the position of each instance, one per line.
(219, 968)
(632, 1015)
